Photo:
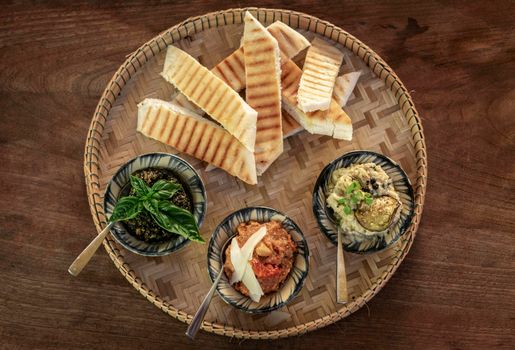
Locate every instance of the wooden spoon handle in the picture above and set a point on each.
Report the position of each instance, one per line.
(341, 276)
(84, 257)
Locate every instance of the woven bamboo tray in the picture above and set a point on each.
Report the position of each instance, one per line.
(384, 120)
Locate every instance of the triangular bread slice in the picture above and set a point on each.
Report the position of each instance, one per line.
(319, 74)
(196, 136)
(344, 86)
(211, 94)
(290, 41)
(333, 121)
(263, 93)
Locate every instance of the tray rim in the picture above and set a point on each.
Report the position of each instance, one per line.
(196, 24)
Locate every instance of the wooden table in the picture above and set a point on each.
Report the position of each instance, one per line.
(456, 288)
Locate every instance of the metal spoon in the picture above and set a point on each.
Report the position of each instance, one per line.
(86, 255)
(341, 276)
(342, 295)
(197, 320)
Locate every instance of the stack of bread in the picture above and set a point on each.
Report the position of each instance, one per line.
(245, 136)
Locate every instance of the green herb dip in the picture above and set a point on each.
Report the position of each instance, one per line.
(143, 227)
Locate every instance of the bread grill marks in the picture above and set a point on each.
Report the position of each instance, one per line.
(333, 121)
(263, 83)
(319, 75)
(231, 70)
(211, 94)
(197, 137)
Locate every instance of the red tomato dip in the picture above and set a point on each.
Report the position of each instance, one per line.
(272, 258)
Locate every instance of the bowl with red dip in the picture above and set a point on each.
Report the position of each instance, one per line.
(264, 264)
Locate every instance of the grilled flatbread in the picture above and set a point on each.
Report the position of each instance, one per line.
(196, 136)
(183, 102)
(211, 94)
(333, 122)
(318, 77)
(290, 41)
(344, 86)
(263, 80)
(232, 69)
(290, 125)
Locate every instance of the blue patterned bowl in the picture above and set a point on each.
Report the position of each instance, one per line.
(324, 215)
(290, 287)
(183, 171)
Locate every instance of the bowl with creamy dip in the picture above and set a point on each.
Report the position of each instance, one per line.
(368, 196)
(274, 271)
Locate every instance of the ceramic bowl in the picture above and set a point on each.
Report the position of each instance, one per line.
(289, 288)
(324, 215)
(188, 177)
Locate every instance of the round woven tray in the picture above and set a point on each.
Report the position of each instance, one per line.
(384, 120)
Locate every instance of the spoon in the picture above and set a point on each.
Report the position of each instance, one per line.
(197, 320)
(341, 275)
(86, 255)
(342, 296)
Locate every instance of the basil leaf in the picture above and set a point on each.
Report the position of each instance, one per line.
(165, 185)
(165, 189)
(151, 205)
(179, 221)
(347, 210)
(342, 200)
(140, 186)
(126, 208)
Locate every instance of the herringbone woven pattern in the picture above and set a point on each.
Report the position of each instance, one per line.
(384, 120)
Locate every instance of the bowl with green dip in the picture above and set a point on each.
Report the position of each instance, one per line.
(157, 203)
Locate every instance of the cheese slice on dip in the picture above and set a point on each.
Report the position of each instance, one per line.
(240, 258)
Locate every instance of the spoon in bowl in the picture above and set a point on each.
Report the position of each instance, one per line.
(197, 320)
(341, 275)
(342, 296)
(86, 255)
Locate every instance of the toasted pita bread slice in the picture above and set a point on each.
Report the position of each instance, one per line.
(290, 41)
(183, 102)
(211, 94)
(290, 128)
(319, 74)
(333, 122)
(232, 69)
(263, 81)
(196, 136)
(290, 125)
(344, 86)
(263, 159)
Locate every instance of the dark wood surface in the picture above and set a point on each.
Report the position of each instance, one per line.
(456, 288)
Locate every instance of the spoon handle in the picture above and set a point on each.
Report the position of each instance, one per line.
(84, 257)
(201, 312)
(341, 276)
